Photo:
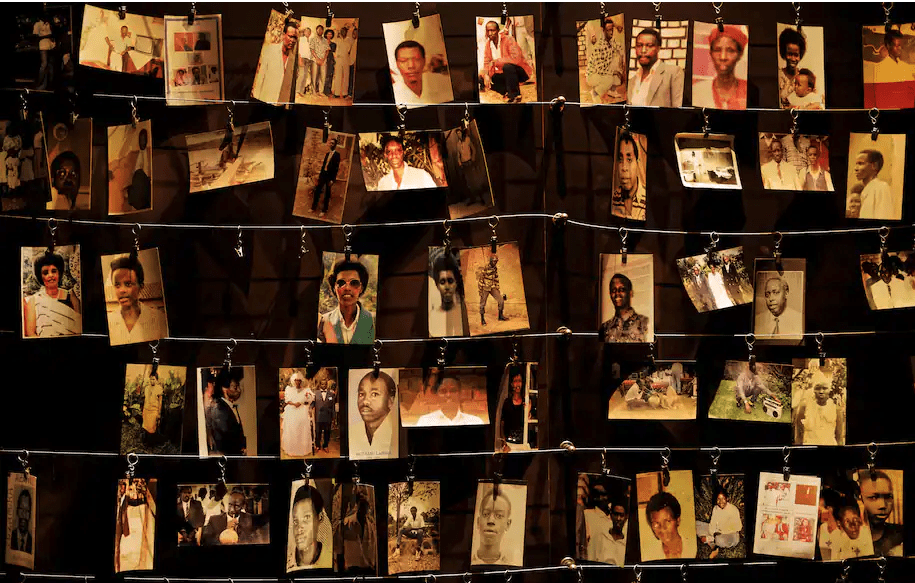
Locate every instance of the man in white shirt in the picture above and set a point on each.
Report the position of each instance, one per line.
(778, 319)
(413, 528)
(277, 67)
(376, 401)
(402, 176)
(132, 321)
(777, 173)
(319, 46)
(876, 198)
(304, 81)
(446, 318)
(893, 69)
(655, 82)
(117, 50)
(417, 85)
(606, 528)
(629, 198)
(814, 177)
(450, 412)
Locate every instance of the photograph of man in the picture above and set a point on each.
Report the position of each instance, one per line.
(719, 69)
(401, 175)
(469, 189)
(449, 395)
(346, 308)
(20, 524)
(408, 161)
(816, 176)
(627, 310)
(753, 391)
(418, 61)
(720, 501)
(69, 147)
(656, 82)
(819, 401)
(498, 277)
(191, 516)
(779, 303)
(21, 536)
(50, 306)
(373, 414)
(447, 312)
(275, 78)
(441, 397)
(227, 425)
(667, 516)
(602, 518)
(498, 534)
(777, 173)
(629, 176)
(878, 167)
(507, 74)
(888, 280)
(240, 523)
(355, 527)
(327, 436)
(135, 297)
(133, 44)
(130, 155)
(309, 543)
(602, 60)
(801, 86)
(889, 67)
(324, 172)
(883, 510)
(135, 526)
(414, 516)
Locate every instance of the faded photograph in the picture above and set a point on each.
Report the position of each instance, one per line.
(889, 280)
(324, 173)
(51, 292)
(193, 59)
(794, 162)
(310, 537)
(69, 152)
(508, 310)
(779, 304)
(418, 61)
(876, 171)
(889, 66)
(130, 161)
(626, 298)
(220, 159)
(707, 162)
(23, 164)
(517, 417)
(469, 188)
(134, 297)
(355, 528)
(447, 311)
(373, 414)
(664, 391)
(801, 67)
(498, 524)
(630, 199)
(222, 514)
(326, 61)
(411, 161)
(348, 298)
(21, 513)
(153, 412)
(667, 515)
(309, 407)
(819, 401)
(414, 527)
(602, 518)
(275, 78)
(506, 59)
(720, 517)
(135, 525)
(786, 515)
(443, 397)
(227, 411)
(133, 45)
(753, 391)
(656, 63)
(720, 65)
(43, 54)
(716, 280)
(602, 72)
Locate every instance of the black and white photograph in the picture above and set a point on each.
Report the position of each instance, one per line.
(135, 525)
(222, 514)
(275, 78)
(889, 65)
(309, 413)
(443, 397)
(414, 527)
(469, 188)
(667, 515)
(310, 537)
(408, 161)
(43, 38)
(506, 59)
(667, 390)
(801, 67)
(889, 279)
(779, 302)
(21, 513)
(69, 151)
(134, 297)
(447, 311)
(193, 59)
(23, 164)
(602, 71)
(498, 524)
(356, 528)
(326, 61)
(418, 61)
(51, 291)
(153, 413)
(720, 65)
(602, 518)
(130, 174)
(227, 411)
(373, 414)
(134, 44)
(348, 298)
(819, 401)
(794, 162)
(881, 494)
(786, 515)
(876, 171)
(221, 159)
(324, 173)
(630, 200)
(707, 162)
(657, 62)
(716, 280)
(626, 298)
(517, 421)
(720, 517)
(500, 284)
(753, 391)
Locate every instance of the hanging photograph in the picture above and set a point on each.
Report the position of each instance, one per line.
(707, 162)
(221, 159)
(373, 414)
(819, 401)
(355, 528)
(801, 67)
(889, 66)
(876, 170)
(326, 61)
(418, 62)
(324, 173)
(602, 518)
(720, 65)
(881, 494)
(153, 413)
(443, 397)
(664, 391)
(720, 516)
(233, 514)
(498, 524)
(667, 515)
(134, 297)
(602, 70)
(43, 55)
(889, 279)
(135, 525)
(51, 285)
(630, 200)
(786, 515)
(132, 45)
(411, 161)
(310, 538)
(517, 420)
(227, 411)
(21, 512)
(794, 162)
(716, 280)
(309, 426)
(414, 527)
(657, 62)
(130, 179)
(23, 164)
(498, 274)
(275, 78)
(193, 59)
(627, 305)
(69, 161)
(447, 311)
(348, 299)
(506, 59)
(779, 304)
(469, 188)
(753, 391)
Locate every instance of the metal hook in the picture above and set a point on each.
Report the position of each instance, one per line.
(657, 15)
(24, 460)
(221, 461)
(715, 455)
(330, 16)
(24, 105)
(604, 466)
(884, 233)
(135, 119)
(230, 125)
(443, 351)
(376, 357)
(683, 572)
(239, 245)
(504, 13)
(190, 22)
(871, 464)
(308, 468)
(229, 350)
(624, 234)
(52, 229)
(132, 460)
(626, 117)
(786, 470)
(794, 116)
(136, 236)
(557, 104)
(820, 352)
(415, 18)
(446, 240)
(638, 573)
(874, 114)
(347, 238)
(468, 577)
(303, 247)
(665, 458)
(508, 576)
(155, 349)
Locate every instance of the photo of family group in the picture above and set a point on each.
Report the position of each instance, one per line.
(23, 164)
(716, 280)
(801, 67)
(794, 162)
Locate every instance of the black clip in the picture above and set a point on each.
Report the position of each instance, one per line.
(330, 17)
(657, 16)
(498, 464)
(122, 11)
(718, 19)
(73, 98)
(230, 124)
(135, 252)
(376, 358)
(402, 127)
(355, 474)
(411, 472)
(750, 340)
(347, 242)
(651, 355)
(665, 470)
(326, 135)
(706, 128)
(797, 15)
(24, 104)
(446, 241)
(786, 470)
(871, 464)
(443, 352)
(887, 22)
(777, 253)
(192, 14)
(494, 239)
(52, 231)
(415, 19)
(155, 355)
(874, 113)
(624, 234)
(504, 13)
(821, 354)
(604, 466)
(713, 471)
(557, 105)
(711, 253)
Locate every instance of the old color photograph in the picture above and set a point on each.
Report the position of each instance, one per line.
(498, 278)
(602, 71)
(469, 188)
(193, 59)
(310, 539)
(716, 280)
(133, 45)
(373, 414)
(447, 311)
(134, 297)
(602, 518)
(326, 61)
(51, 291)
(153, 412)
(21, 513)
(135, 525)
(275, 78)
(221, 514)
(819, 401)
(753, 391)
(794, 162)
(889, 279)
(309, 426)
(418, 61)
(720, 517)
(355, 527)
(876, 171)
(43, 39)
(720, 65)
(506, 59)
(667, 515)
(220, 159)
(414, 527)
(324, 172)
(889, 66)
(779, 303)
(707, 162)
(657, 62)
(227, 411)
(498, 524)
(412, 161)
(801, 67)
(517, 411)
(786, 515)
(630, 200)
(348, 298)
(665, 391)
(23, 164)
(130, 174)
(437, 397)
(626, 298)
(69, 154)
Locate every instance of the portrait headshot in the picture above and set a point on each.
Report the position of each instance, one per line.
(786, 515)
(707, 162)
(275, 78)
(326, 56)
(412, 161)
(602, 71)
(131, 45)
(753, 391)
(506, 59)
(881, 495)
(414, 527)
(819, 401)
(717, 280)
(602, 518)
(447, 311)
(720, 517)
(221, 159)
(629, 176)
(498, 524)
(667, 390)
(227, 411)
(656, 81)
(21, 518)
(310, 539)
(498, 277)
(667, 515)
(324, 172)
(69, 161)
(778, 306)
(889, 66)
(876, 171)
(135, 525)
(889, 279)
(51, 288)
(443, 397)
(348, 298)
(516, 420)
(130, 174)
(469, 189)
(626, 298)
(373, 414)
(418, 61)
(720, 65)
(134, 297)
(190, 47)
(801, 67)
(232, 514)
(309, 426)
(153, 413)
(355, 528)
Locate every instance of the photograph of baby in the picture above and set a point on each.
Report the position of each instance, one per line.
(348, 298)
(193, 59)
(418, 61)
(889, 65)
(602, 518)
(134, 297)
(779, 305)
(130, 162)
(21, 513)
(794, 162)
(819, 401)
(411, 161)
(310, 539)
(506, 59)
(707, 162)
(223, 514)
(220, 159)
(326, 61)
(414, 526)
(720, 65)
(153, 413)
(51, 290)
(134, 44)
(227, 411)
(626, 298)
(309, 404)
(324, 173)
(720, 517)
(443, 397)
(469, 188)
(447, 311)
(630, 200)
(753, 391)
(876, 171)
(889, 279)
(602, 72)
(498, 524)
(517, 415)
(656, 63)
(373, 414)
(69, 151)
(716, 280)
(801, 85)
(664, 391)
(508, 292)
(667, 515)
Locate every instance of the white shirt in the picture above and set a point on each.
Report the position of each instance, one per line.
(446, 322)
(384, 442)
(812, 100)
(725, 520)
(640, 86)
(820, 423)
(436, 89)
(151, 325)
(877, 201)
(437, 418)
(602, 547)
(773, 181)
(414, 523)
(789, 322)
(890, 70)
(413, 178)
(304, 47)
(347, 331)
(506, 558)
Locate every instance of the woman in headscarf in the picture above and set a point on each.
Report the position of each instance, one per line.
(725, 90)
(297, 418)
(52, 310)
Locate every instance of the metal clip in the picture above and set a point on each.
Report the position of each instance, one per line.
(356, 476)
(443, 351)
(230, 124)
(306, 475)
(626, 117)
(871, 464)
(446, 240)
(657, 16)
(411, 472)
(303, 243)
(330, 17)
(603, 13)
(624, 234)
(134, 118)
(665, 469)
(881, 569)
(24, 460)
(136, 237)
(718, 19)
(710, 251)
(402, 127)
(154, 347)
(604, 466)
(347, 242)
(884, 233)
(494, 239)
(874, 114)
(794, 116)
(683, 572)
(504, 13)
(132, 460)
(24, 105)
(887, 22)
(750, 339)
(376, 357)
(52, 231)
(221, 461)
(192, 14)
(122, 11)
(415, 19)
(706, 128)
(230, 348)
(821, 354)
(845, 575)
(786, 469)
(288, 10)
(638, 573)
(797, 15)
(777, 253)
(74, 108)
(240, 244)
(516, 350)
(327, 126)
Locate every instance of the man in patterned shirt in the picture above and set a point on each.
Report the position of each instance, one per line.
(606, 67)
(488, 284)
(625, 325)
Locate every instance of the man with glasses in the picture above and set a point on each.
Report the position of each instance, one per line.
(349, 322)
(655, 82)
(446, 317)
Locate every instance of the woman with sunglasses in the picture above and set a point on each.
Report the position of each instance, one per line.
(349, 322)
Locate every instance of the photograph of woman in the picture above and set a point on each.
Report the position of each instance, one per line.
(720, 76)
(297, 428)
(135, 530)
(801, 86)
(512, 425)
(516, 419)
(50, 292)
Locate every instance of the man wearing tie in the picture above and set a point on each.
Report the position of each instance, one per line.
(21, 537)
(777, 173)
(778, 319)
(325, 401)
(228, 433)
(327, 177)
(218, 529)
(702, 293)
(190, 512)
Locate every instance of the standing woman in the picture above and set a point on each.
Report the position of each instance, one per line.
(725, 90)
(297, 418)
(791, 47)
(511, 422)
(152, 407)
(52, 310)
(331, 64)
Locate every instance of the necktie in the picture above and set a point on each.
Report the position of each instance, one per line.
(775, 331)
(324, 164)
(779, 167)
(187, 511)
(237, 416)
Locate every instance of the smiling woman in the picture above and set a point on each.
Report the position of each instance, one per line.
(50, 303)
(346, 311)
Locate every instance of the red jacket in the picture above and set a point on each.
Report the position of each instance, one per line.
(509, 52)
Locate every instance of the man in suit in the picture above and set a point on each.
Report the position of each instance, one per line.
(228, 433)
(232, 520)
(702, 293)
(327, 177)
(731, 277)
(21, 537)
(190, 514)
(325, 401)
(655, 82)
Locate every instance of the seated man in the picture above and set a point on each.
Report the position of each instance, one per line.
(504, 65)
(413, 528)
